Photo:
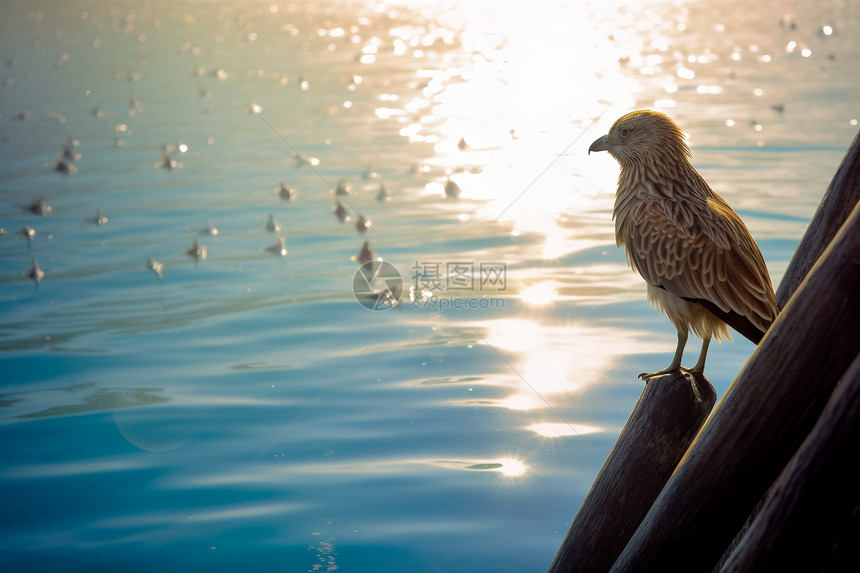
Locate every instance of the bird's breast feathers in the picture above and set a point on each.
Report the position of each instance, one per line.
(696, 249)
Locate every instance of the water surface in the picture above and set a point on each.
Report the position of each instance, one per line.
(245, 411)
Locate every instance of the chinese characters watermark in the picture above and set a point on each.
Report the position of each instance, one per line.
(459, 276)
(435, 285)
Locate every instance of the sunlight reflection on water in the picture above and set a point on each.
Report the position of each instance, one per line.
(551, 360)
(246, 400)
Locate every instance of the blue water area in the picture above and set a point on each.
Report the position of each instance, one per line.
(268, 407)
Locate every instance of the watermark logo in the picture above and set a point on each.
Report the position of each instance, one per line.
(437, 303)
(459, 276)
(377, 285)
(458, 285)
(435, 285)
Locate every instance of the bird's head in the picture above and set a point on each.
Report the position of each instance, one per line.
(643, 136)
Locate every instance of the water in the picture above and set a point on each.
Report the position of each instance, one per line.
(245, 412)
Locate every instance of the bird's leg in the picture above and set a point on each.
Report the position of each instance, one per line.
(700, 364)
(675, 366)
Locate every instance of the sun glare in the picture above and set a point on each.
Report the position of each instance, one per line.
(558, 430)
(546, 361)
(511, 467)
(540, 293)
(510, 120)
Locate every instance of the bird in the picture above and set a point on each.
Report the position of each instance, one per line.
(452, 190)
(69, 152)
(384, 194)
(368, 260)
(363, 224)
(99, 219)
(272, 225)
(64, 167)
(700, 262)
(39, 207)
(285, 192)
(340, 211)
(167, 162)
(366, 254)
(27, 232)
(344, 187)
(279, 248)
(155, 266)
(35, 273)
(198, 252)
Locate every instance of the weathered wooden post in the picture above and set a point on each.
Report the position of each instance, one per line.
(838, 201)
(813, 502)
(664, 422)
(763, 418)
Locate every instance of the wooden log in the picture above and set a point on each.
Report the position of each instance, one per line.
(813, 502)
(838, 202)
(762, 420)
(668, 415)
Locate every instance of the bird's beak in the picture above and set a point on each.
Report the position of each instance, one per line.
(599, 144)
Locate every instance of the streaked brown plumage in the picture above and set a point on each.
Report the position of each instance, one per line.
(701, 264)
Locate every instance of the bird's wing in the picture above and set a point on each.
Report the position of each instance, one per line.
(701, 251)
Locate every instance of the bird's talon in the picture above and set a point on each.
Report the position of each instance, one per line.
(646, 376)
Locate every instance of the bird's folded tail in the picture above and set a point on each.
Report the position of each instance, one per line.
(737, 321)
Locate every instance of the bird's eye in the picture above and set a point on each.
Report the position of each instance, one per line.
(625, 132)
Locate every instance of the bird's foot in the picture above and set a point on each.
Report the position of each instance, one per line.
(695, 370)
(646, 376)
